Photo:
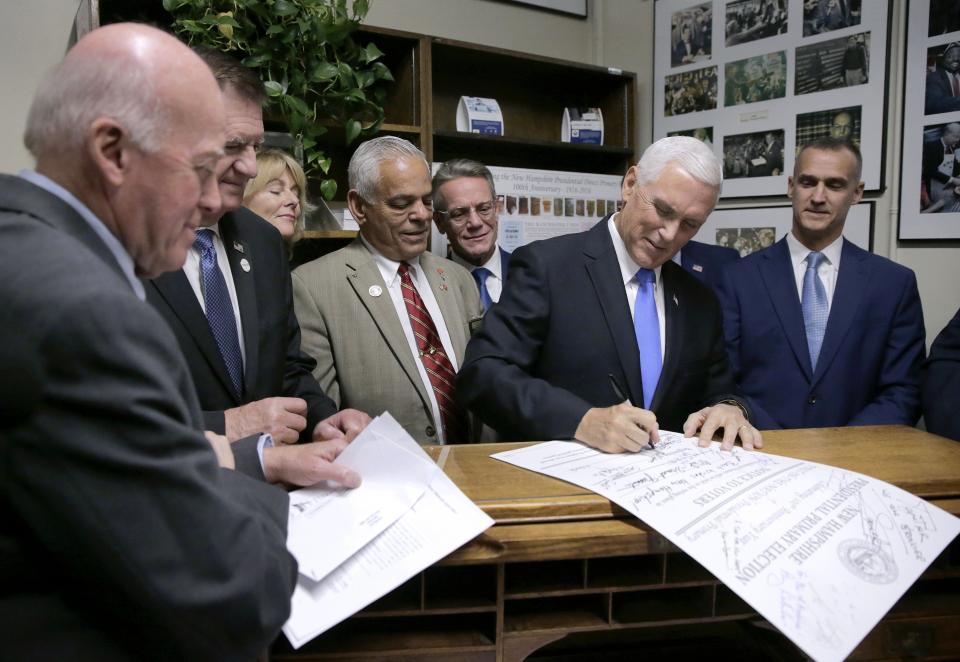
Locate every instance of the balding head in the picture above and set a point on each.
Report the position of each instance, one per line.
(131, 123)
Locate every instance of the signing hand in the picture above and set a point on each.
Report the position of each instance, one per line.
(707, 421)
(302, 465)
(617, 429)
(284, 418)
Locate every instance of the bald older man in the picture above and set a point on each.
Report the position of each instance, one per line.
(122, 538)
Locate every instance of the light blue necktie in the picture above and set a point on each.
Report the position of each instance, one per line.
(219, 309)
(480, 275)
(647, 327)
(815, 306)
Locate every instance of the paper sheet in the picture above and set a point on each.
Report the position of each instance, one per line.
(822, 553)
(328, 524)
(442, 520)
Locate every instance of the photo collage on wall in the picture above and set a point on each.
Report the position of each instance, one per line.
(930, 180)
(758, 79)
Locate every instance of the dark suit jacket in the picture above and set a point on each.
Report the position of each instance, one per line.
(704, 261)
(938, 97)
(868, 372)
(544, 353)
(274, 366)
(941, 382)
(121, 538)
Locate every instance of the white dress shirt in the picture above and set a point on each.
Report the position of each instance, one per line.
(388, 270)
(628, 271)
(827, 270)
(191, 269)
(494, 265)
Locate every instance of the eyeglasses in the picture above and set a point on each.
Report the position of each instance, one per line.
(485, 210)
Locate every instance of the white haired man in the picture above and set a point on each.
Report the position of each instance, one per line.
(122, 539)
(386, 321)
(578, 347)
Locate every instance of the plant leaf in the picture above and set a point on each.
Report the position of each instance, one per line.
(353, 130)
(285, 8)
(324, 71)
(371, 53)
(328, 188)
(273, 88)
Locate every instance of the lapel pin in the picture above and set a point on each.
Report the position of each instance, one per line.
(245, 265)
(697, 267)
(675, 302)
(443, 286)
(375, 290)
(237, 246)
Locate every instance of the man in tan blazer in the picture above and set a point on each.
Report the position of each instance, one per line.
(387, 322)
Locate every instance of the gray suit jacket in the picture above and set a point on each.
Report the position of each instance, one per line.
(363, 359)
(121, 538)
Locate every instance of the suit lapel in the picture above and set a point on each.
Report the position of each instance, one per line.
(674, 330)
(362, 274)
(238, 253)
(851, 283)
(777, 275)
(174, 288)
(603, 270)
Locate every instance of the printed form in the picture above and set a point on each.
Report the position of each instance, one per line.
(822, 553)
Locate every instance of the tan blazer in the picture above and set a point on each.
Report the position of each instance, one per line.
(363, 359)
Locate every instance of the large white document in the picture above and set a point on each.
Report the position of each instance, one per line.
(439, 522)
(820, 552)
(327, 525)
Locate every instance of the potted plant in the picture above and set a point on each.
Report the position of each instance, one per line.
(315, 72)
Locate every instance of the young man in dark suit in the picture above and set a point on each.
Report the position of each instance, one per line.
(246, 363)
(941, 382)
(600, 336)
(822, 333)
(465, 210)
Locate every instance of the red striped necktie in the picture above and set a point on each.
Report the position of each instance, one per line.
(435, 361)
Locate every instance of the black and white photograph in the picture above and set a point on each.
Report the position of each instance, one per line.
(753, 154)
(704, 134)
(747, 240)
(942, 91)
(749, 20)
(691, 35)
(827, 65)
(758, 78)
(690, 92)
(821, 16)
(834, 123)
(940, 172)
(944, 17)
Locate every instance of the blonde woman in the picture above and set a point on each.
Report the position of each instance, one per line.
(279, 194)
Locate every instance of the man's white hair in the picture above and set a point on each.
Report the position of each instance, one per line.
(80, 90)
(689, 154)
(363, 173)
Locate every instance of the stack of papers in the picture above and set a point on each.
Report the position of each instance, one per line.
(354, 546)
(820, 552)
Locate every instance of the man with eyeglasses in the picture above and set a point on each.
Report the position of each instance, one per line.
(231, 309)
(465, 210)
(386, 321)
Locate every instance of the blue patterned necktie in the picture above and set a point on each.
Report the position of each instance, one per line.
(647, 328)
(480, 275)
(815, 306)
(219, 309)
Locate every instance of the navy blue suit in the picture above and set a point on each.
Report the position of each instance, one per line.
(941, 382)
(704, 261)
(868, 372)
(545, 352)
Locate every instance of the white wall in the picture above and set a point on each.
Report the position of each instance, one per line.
(617, 33)
(33, 37)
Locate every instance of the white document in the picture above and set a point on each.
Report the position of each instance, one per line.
(328, 524)
(822, 553)
(442, 520)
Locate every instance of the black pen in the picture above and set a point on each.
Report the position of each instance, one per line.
(622, 395)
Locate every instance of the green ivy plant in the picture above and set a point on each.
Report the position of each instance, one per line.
(314, 71)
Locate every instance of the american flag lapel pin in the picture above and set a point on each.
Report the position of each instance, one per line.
(237, 246)
(698, 268)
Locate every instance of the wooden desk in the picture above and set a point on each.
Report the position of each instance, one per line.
(562, 562)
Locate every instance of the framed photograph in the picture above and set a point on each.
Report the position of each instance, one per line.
(757, 79)
(753, 228)
(930, 174)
